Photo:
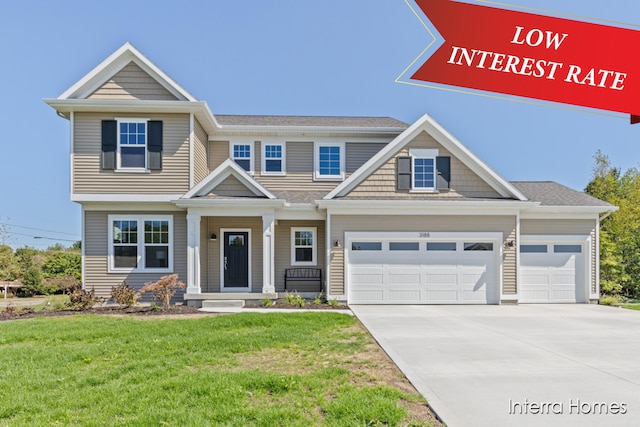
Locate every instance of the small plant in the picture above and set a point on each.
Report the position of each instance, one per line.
(124, 295)
(298, 301)
(333, 303)
(164, 289)
(266, 302)
(81, 299)
(610, 300)
(289, 298)
(319, 299)
(154, 306)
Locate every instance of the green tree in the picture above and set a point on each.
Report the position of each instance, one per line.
(60, 264)
(620, 232)
(8, 265)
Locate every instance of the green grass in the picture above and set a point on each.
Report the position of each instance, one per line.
(248, 369)
(631, 306)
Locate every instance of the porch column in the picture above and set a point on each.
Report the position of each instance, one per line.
(193, 254)
(268, 262)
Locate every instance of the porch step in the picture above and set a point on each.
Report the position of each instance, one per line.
(223, 303)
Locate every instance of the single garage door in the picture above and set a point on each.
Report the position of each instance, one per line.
(423, 271)
(552, 272)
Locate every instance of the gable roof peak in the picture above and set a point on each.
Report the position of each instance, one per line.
(115, 62)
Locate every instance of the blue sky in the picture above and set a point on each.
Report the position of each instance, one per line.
(334, 57)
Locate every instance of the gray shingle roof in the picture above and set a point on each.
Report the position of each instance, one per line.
(550, 193)
(311, 121)
(300, 196)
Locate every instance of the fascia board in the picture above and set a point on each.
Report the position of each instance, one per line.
(129, 206)
(550, 210)
(238, 129)
(222, 172)
(124, 198)
(424, 207)
(252, 205)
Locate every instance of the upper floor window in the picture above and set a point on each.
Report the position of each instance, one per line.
(140, 243)
(242, 153)
(329, 161)
(424, 169)
(273, 158)
(132, 143)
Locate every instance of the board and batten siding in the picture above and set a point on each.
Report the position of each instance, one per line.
(211, 264)
(464, 182)
(200, 157)
(340, 224)
(132, 82)
(283, 249)
(559, 227)
(89, 177)
(96, 249)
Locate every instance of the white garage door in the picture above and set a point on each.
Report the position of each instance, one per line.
(442, 271)
(552, 272)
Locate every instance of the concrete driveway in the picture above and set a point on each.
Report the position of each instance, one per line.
(527, 365)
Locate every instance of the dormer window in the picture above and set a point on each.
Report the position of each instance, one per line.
(423, 165)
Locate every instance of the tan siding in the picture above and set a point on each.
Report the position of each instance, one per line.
(557, 226)
(132, 83)
(464, 182)
(96, 254)
(200, 158)
(358, 153)
(283, 248)
(232, 187)
(594, 255)
(90, 178)
(257, 157)
(212, 264)
(390, 223)
(218, 153)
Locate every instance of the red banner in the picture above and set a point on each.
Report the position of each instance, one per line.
(534, 56)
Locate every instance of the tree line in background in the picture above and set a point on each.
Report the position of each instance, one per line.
(41, 272)
(620, 231)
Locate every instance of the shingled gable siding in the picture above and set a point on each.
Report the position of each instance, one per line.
(90, 178)
(96, 246)
(200, 157)
(132, 83)
(426, 223)
(553, 227)
(464, 182)
(211, 265)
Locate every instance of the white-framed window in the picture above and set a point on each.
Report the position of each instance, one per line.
(329, 161)
(242, 153)
(423, 165)
(132, 143)
(303, 246)
(273, 158)
(140, 243)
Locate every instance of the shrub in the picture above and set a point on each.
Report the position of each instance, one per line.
(164, 289)
(32, 282)
(266, 302)
(319, 299)
(58, 284)
(81, 299)
(333, 303)
(610, 300)
(294, 299)
(124, 295)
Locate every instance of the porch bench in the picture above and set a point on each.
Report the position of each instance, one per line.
(303, 279)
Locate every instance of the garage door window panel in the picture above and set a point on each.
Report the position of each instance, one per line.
(567, 249)
(404, 246)
(533, 249)
(366, 246)
(478, 246)
(441, 246)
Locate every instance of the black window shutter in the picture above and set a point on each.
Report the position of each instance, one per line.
(109, 144)
(443, 166)
(154, 144)
(403, 165)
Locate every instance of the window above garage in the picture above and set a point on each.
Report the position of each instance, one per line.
(423, 171)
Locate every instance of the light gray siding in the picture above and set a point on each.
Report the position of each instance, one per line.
(200, 155)
(132, 82)
(97, 248)
(90, 178)
(392, 223)
(359, 153)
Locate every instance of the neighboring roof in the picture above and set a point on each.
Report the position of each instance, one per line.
(311, 121)
(116, 62)
(427, 124)
(550, 193)
(300, 196)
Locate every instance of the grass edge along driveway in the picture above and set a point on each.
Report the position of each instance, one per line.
(248, 369)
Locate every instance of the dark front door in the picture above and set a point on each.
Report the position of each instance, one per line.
(236, 259)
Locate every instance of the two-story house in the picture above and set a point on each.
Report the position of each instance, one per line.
(388, 212)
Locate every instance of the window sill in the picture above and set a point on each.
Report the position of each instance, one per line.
(328, 178)
(273, 173)
(132, 170)
(304, 264)
(424, 191)
(140, 271)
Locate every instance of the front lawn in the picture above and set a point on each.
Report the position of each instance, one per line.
(270, 369)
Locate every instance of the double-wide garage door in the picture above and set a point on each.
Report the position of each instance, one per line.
(400, 270)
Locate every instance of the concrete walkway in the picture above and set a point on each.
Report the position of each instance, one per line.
(527, 365)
